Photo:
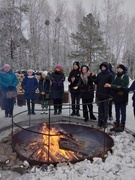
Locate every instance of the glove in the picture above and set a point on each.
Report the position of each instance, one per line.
(10, 88)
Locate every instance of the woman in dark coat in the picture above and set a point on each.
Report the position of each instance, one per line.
(73, 78)
(86, 92)
(8, 82)
(57, 88)
(30, 84)
(44, 90)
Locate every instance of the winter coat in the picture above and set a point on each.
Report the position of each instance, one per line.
(103, 77)
(29, 84)
(57, 85)
(8, 81)
(76, 74)
(44, 86)
(87, 90)
(132, 88)
(120, 82)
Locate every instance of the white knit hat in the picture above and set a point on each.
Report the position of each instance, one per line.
(45, 73)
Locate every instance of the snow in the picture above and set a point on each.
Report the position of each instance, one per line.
(118, 165)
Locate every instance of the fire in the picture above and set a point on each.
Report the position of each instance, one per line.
(49, 148)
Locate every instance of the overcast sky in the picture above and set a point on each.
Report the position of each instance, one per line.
(129, 5)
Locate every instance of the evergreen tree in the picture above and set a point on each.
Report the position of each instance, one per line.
(88, 42)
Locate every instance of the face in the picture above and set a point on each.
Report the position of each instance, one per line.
(43, 76)
(103, 68)
(7, 69)
(119, 70)
(57, 69)
(84, 70)
(75, 66)
(29, 73)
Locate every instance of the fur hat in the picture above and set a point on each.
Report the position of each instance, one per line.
(6, 65)
(76, 63)
(58, 66)
(122, 67)
(45, 73)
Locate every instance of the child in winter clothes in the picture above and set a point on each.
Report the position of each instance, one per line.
(57, 88)
(86, 92)
(120, 97)
(103, 94)
(44, 87)
(30, 84)
(75, 93)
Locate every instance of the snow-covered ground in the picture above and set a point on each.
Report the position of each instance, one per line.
(119, 165)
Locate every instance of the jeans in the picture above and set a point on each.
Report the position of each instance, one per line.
(120, 112)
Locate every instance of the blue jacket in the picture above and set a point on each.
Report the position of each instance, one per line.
(8, 80)
(29, 84)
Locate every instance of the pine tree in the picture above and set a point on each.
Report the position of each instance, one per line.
(88, 42)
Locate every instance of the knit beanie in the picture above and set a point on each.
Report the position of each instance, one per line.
(45, 73)
(122, 67)
(6, 65)
(58, 66)
(30, 70)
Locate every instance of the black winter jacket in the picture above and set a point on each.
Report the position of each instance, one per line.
(87, 90)
(76, 74)
(103, 77)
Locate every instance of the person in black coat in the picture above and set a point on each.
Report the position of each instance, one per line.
(120, 97)
(103, 94)
(73, 78)
(30, 84)
(86, 92)
(44, 90)
(57, 88)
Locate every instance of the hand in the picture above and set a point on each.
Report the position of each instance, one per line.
(43, 93)
(107, 85)
(76, 87)
(93, 74)
(72, 79)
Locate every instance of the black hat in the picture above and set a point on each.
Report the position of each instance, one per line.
(77, 63)
(122, 67)
(84, 66)
(103, 64)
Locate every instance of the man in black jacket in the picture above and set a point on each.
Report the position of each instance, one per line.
(103, 94)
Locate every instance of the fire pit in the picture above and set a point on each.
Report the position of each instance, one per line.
(60, 142)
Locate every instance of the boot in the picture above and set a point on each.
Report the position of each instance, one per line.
(55, 111)
(100, 123)
(28, 106)
(92, 117)
(115, 127)
(33, 107)
(73, 113)
(77, 113)
(60, 111)
(120, 128)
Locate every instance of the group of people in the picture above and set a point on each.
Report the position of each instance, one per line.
(109, 87)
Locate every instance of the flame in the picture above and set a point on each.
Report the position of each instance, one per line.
(49, 145)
